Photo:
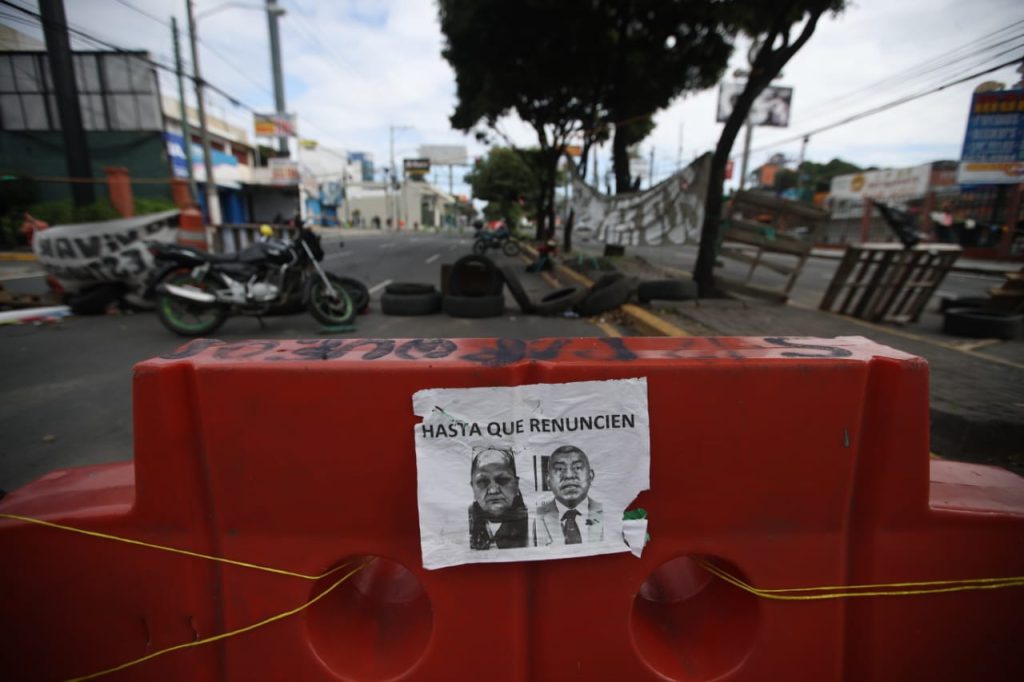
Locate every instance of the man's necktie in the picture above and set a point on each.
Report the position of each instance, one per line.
(570, 529)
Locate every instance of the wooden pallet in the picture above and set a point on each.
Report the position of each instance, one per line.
(748, 241)
(887, 282)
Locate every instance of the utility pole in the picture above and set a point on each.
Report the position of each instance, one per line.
(212, 199)
(800, 163)
(650, 181)
(62, 70)
(391, 177)
(394, 176)
(273, 12)
(186, 132)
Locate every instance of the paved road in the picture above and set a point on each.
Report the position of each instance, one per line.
(65, 389)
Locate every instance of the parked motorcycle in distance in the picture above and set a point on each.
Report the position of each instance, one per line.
(195, 292)
(495, 239)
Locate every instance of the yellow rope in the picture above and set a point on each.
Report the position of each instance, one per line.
(164, 548)
(871, 590)
(786, 594)
(223, 635)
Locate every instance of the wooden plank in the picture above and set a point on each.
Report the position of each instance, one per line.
(778, 205)
(838, 279)
(786, 245)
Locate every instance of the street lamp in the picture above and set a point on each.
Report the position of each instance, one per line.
(273, 12)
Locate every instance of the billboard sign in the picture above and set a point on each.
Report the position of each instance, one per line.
(445, 154)
(771, 108)
(283, 171)
(993, 150)
(890, 186)
(274, 125)
(416, 168)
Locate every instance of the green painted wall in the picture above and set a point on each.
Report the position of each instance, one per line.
(41, 154)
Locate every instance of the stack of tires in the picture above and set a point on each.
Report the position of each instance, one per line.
(475, 288)
(410, 298)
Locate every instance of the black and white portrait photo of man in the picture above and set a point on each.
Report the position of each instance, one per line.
(498, 518)
(572, 517)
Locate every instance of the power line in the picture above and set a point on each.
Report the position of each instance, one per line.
(226, 60)
(947, 58)
(884, 107)
(137, 54)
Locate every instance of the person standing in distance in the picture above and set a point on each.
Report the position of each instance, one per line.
(498, 517)
(572, 517)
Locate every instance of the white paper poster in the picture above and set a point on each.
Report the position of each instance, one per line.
(523, 473)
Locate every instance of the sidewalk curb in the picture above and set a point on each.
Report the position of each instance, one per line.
(646, 321)
(17, 256)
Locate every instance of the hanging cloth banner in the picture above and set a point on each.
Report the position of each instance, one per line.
(670, 212)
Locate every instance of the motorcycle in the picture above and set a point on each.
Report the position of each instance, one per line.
(195, 292)
(496, 239)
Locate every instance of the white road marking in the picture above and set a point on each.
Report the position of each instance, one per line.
(433, 258)
(377, 287)
(386, 245)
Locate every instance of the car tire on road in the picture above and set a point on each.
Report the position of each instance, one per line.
(358, 292)
(516, 287)
(963, 302)
(408, 305)
(408, 288)
(474, 276)
(982, 324)
(666, 290)
(474, 306)
(609, 296)
(560, 301)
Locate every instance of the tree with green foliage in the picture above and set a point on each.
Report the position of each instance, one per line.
(817, 177)
(646, 54)
(506, 182)
(578, 69)
(779, 28)
(530, 58)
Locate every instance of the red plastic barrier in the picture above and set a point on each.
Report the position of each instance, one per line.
(789, 462)
(191, 231)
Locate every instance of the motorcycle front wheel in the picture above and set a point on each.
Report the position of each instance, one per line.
(479, 247)
(189, 318)
(330, 313)
(510, 247)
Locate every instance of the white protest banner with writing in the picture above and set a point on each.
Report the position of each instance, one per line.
(85, 254)
(671, 212)
(521, 473)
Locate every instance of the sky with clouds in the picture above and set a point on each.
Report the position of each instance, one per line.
(356, 68)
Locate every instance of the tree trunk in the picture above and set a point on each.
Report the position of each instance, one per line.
(620, 160)
(567, 235)
(703, 272)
